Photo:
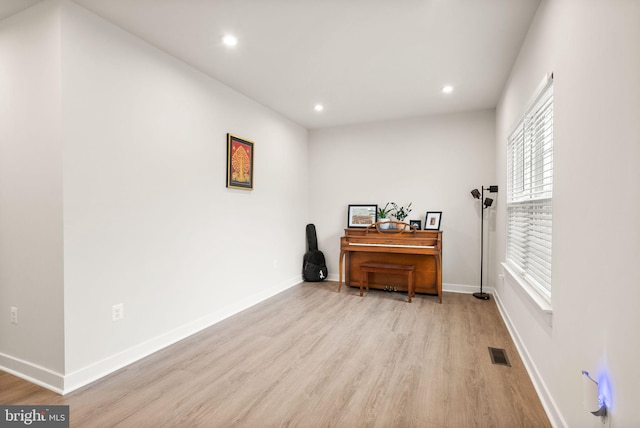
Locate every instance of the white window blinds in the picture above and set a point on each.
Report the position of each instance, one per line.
(530, 193)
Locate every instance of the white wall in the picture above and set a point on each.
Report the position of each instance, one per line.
(31, 261)
(131, 178)
(137, 191)
(592, 48)
(433, 162)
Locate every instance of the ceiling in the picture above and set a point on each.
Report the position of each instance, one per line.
(10, 7)
(364, 60)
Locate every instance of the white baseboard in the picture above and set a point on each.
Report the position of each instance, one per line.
(466, 289)
(550, 407)
(453, 288)
(33, 373)
(333, 277)
(63, 384)
(102, 368)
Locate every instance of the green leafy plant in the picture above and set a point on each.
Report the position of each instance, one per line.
(384, 212)
(401, 212)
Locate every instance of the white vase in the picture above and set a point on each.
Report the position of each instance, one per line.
(385, 224)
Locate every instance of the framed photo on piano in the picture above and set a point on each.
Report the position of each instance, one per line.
(362, 215)
(415, 224)
(432, 221)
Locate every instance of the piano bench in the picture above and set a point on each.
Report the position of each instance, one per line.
(388, 268)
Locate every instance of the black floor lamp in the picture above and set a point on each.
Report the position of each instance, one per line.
(486, 203)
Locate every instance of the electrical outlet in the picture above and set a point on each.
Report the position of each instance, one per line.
(14, 315)
(117, 312)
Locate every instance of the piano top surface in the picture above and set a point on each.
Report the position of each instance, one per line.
(409, 238)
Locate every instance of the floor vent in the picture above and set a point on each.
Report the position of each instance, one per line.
(499, 356)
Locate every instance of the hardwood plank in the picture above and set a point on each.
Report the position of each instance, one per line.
(311, 357)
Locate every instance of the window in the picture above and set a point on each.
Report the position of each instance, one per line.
(530, 193)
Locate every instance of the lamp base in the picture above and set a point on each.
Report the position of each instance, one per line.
(483, 296)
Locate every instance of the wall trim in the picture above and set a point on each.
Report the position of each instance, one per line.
(466, 289)
(64, 384)
(549, 404)
(33, 373)
(93, 372)
(452, 288)
(333, 277)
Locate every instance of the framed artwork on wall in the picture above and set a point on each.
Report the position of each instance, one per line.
(432, 221)
(362, 215)
(240, 156)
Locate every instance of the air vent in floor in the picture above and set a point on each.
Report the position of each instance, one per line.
(499, 356)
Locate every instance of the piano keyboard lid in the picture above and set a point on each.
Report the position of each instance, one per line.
(391, 245)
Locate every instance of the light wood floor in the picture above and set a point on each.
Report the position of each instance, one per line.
(310, 357)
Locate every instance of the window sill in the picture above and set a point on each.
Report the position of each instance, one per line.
(532, 294)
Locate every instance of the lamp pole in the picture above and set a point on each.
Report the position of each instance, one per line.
(481, 294)
(484, 204)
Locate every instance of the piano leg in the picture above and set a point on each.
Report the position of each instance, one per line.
(411, 287)
(439, 277)
(342, 254)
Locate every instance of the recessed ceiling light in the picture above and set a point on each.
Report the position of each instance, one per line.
(447, 89)
(230, 40)
(318, 107)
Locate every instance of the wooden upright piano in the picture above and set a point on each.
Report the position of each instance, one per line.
(422, 248)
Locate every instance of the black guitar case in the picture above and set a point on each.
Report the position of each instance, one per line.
(314, 267)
